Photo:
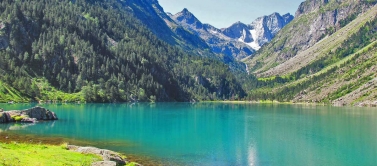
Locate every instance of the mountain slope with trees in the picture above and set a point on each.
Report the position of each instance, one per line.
(339, 69)
(102, 52)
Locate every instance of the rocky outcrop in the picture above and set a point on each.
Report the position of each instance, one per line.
(265, 28)
(109, 157)
(310, 6)
(31, 115)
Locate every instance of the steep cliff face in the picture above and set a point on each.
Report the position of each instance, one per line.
(239, 31)
(239, 40)
(265, 28)
(314, 20)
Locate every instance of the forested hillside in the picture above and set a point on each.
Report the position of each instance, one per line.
(341, 69)
(99, 52)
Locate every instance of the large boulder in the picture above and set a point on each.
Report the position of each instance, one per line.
(40, 113)
(31, 115)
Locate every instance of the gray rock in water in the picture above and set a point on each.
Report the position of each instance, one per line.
(104, 163)
(107, 155)
(29, 116)
(41, 114)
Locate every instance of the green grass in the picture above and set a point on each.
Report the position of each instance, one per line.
(328, 68)
(132, 164)
(17, 118)
(8, 93)
(47, 92)
(30, 154)
(267, 78)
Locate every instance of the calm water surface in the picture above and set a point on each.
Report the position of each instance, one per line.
(219, 134)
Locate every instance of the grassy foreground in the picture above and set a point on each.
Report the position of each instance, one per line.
(34, 154)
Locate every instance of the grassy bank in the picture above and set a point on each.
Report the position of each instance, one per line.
(7, 93)
(48, 150)
(45, 92)
(39, 154)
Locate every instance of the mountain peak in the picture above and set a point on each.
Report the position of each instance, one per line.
(287, 14)
(186, 16)
(185, 10)
(288, 17)
(310, 5)
(275, 14)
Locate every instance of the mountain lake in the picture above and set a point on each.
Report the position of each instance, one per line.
(214, 133)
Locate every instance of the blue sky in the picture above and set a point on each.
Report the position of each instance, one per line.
(223, 13)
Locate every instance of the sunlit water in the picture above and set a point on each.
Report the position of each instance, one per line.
(219, 134)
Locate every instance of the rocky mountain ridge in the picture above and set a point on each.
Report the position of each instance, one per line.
(314, 20)
(239, 40)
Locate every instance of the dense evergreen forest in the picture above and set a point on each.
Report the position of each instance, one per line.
(98, 49)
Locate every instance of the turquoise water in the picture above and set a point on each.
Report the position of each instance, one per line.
(220, 134)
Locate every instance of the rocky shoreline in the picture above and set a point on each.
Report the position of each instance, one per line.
(31, 115)
(110, 158)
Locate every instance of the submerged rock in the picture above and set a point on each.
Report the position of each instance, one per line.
(31, 115)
